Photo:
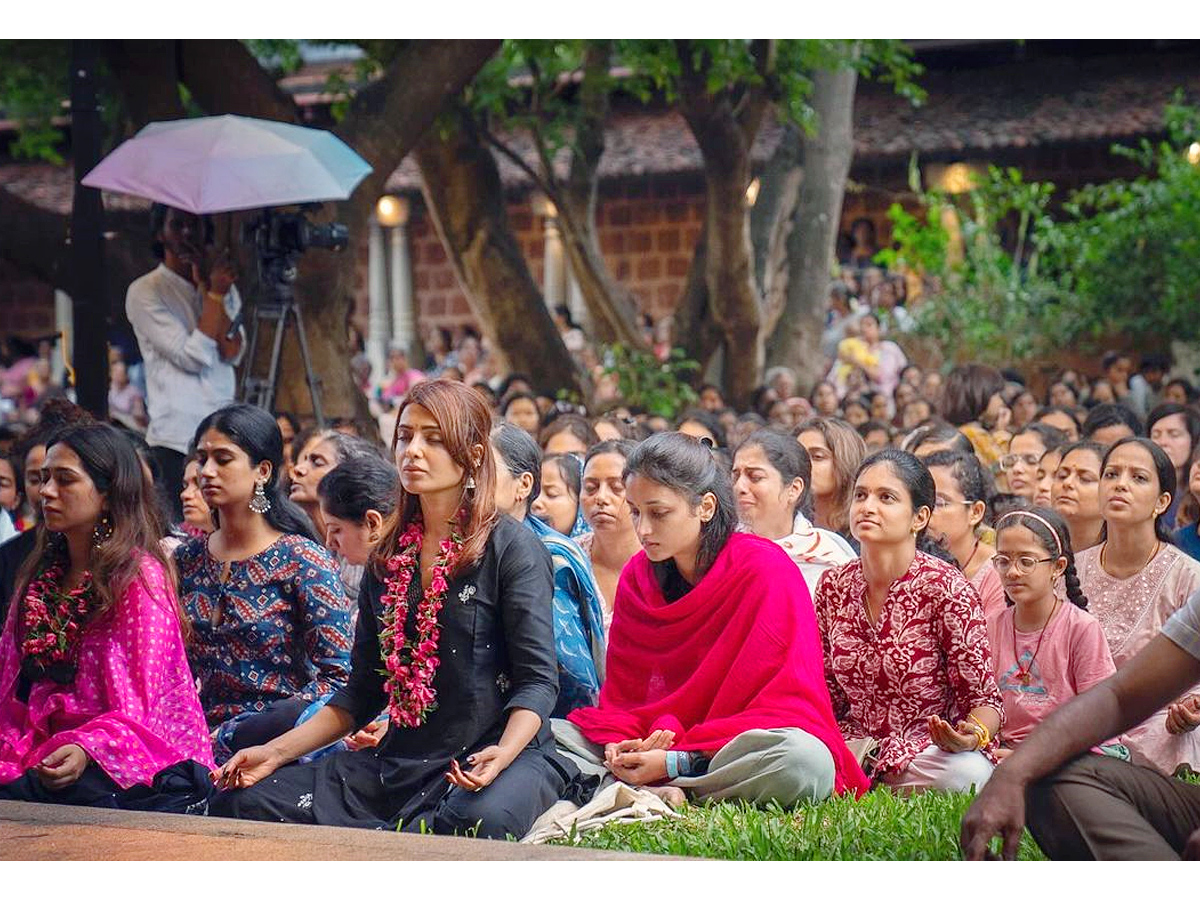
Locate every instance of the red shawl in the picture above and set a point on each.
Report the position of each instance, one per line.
(739, 651)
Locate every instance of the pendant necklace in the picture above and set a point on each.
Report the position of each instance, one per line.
(963, 568)
(1023, 675)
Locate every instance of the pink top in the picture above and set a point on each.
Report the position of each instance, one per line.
(926, 655)
(990, 589)
(401, 384)
(1072, 658)
(1132, 611)
(133, 704)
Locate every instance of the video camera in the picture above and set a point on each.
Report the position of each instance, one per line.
(280, 237)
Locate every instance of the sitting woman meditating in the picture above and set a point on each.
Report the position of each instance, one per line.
(771, 474)
(714, 685)
(455, 639)
(320, 454)
(97, 704)
(356, 502)
(270, 620)
(557, 501)
(905, 642)
(611, 542)
(578, 609)
(1045, 651)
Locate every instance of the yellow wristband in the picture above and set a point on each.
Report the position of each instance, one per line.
(213, 295)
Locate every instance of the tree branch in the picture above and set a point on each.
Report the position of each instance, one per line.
(224, 77)
(389, 116)
(147, 74)
(541, 183)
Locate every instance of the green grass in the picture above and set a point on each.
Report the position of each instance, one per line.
(880, 826)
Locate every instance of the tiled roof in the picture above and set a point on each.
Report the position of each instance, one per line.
(1017, 106)
(52, 187)
(979, 111)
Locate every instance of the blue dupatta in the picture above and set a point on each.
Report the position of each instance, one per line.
(578, 621)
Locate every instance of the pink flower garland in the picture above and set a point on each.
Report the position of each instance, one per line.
(52, 618)
(410, 665)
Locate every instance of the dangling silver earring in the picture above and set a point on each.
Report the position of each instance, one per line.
(471, 483)
(259, 502)
(102, 531)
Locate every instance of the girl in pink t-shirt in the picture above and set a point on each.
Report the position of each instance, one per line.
(1045, 649)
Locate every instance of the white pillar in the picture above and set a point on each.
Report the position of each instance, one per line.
(554, 277)
(378, 325)
(576, 304)
(404, 326)
(63, 324)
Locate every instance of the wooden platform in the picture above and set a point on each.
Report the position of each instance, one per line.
(35, 831)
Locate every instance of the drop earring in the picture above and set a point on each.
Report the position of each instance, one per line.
(102, 531)
(259, 502)
(471, 483)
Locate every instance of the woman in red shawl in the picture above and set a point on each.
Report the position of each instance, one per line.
(715, 679)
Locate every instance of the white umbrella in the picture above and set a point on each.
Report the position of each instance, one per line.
(226, 163)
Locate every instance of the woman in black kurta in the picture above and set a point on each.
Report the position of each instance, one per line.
(480, 763)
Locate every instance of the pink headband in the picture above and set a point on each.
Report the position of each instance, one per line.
(1025, 512)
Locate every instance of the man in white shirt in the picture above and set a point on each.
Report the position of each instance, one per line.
(181, 313)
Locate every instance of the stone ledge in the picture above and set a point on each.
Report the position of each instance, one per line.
(37, 831)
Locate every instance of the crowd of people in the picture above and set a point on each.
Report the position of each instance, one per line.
(501, 602)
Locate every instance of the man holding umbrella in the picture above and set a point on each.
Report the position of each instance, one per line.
(181, 313)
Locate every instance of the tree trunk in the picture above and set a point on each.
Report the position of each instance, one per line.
(796, 342)
(725, 125)
(147, 74)
(611, 305)
(771, 223)
(695, 329)
(466, 201)
(383, 124)
(40, 247)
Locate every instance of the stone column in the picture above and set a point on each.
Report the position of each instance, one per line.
(404, 324)
(554, 288)
(379, 328)
(63, 324)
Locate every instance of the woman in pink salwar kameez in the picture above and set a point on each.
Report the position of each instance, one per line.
(97, 704)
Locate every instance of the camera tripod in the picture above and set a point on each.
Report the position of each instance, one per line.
(260, 391)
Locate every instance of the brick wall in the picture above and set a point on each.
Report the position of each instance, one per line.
(26, 304)
(646, 228)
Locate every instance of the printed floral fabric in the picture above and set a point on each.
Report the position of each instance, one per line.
(132, 705)
(927, 655)
(284, 628)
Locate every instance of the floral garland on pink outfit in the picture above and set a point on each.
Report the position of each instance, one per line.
(409, 666)
(52, 619)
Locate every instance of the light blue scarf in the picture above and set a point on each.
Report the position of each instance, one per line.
(578, 621)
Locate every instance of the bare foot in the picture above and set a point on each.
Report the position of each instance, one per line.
(674, 797)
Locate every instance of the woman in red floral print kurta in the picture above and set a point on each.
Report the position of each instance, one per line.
(905, 641)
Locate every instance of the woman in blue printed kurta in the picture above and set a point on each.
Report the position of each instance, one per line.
(271, 623)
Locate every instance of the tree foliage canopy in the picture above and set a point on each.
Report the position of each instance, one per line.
(1025, 278)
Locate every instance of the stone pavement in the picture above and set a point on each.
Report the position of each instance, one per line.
(32, 831)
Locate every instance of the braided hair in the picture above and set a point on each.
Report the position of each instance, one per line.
(1032, 517)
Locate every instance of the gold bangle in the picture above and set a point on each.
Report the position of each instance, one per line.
(985, 734)
(213, 295)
